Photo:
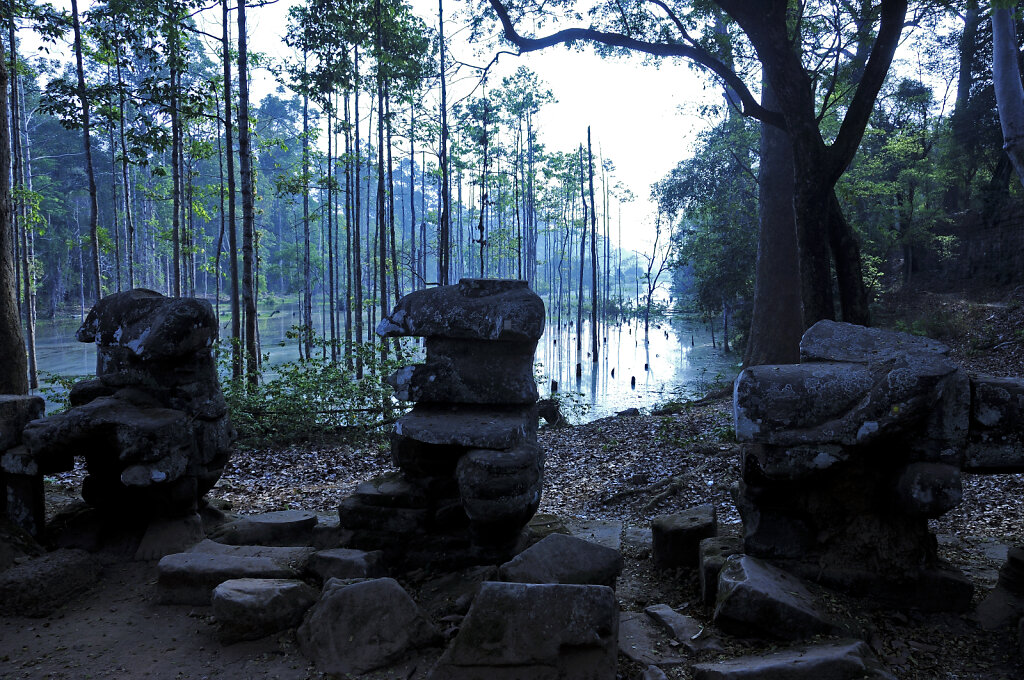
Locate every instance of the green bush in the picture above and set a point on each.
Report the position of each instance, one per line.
(314, 399)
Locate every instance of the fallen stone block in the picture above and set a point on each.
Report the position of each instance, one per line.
(251, 608)
(686, 630)
(453, 593)
(16, 411)
(676, 538)
(347, 563)
(603, 532)
(189, 578)
(517, 630)
(564, 559)
(169, 536)
(359, 627)
(713, 553)
(643, 641)
(41, 585)
(293, 557)
(845, 660)
(755, 598)
(282, 528)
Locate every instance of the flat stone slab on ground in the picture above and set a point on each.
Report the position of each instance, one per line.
(564, 559)
(645, 642)
(189, 578)
(757, 598)
(251, 608)
(347, 563)
(686, 630)
(676, 538)
(41, 585)
(282, 528)
(601, 531)
(844, 660)
(537, 631)
(295, 557)
(362, 626)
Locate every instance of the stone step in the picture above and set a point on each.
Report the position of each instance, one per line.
(252, 608)
(845, 660)
(282, 528)
(189, 578)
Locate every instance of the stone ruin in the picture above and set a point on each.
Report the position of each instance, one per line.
(152, 426)
(471, 469)
(847, 455)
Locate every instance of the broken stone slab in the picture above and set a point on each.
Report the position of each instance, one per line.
(281, 528)
(997, 425)
(676, 538)
(686, 630)
(189, 578)
(470, 372)
(252, 608)
(474, 309)
(544, 632)
(168, 536)
(643, 641)
(359, 627)
(564, 559)
(347, 563)
(835, 341)
(600, 531)
(756, 598)
(328, 532)
(41, 585)
(713, 554)
(16, 411)
(653, 673)
(293, 557)
(474, 427)
(843, 660)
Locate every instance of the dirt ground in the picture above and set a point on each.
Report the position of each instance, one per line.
(626, 469)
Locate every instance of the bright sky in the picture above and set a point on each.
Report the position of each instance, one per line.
(643, 118)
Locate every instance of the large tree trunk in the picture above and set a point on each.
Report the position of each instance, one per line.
(1009, 91)
(444, 223)
(777, 320)
(14, 377)
(248, 207)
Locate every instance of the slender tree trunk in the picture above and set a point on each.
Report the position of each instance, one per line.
(248, 213)
(87, 144)
(443, 226)
(348, 235)
(128, 217)
(176, 142)
(236, 312)
(14, 377)
(593, 253)
(357, 265)
(412, 192)
(582, 262)
(332, 286)
(307, 281)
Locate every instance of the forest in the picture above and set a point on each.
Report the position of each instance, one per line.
(826, 175)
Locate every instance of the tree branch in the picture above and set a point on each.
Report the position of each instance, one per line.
(568, 36)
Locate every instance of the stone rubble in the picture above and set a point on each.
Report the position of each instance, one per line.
(676, 538)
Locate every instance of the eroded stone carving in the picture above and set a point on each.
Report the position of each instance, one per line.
(153, 424)
(471, 468)
(847, 454)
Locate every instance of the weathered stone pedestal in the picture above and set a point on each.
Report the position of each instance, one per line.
(849, 453)
(153, 424)
(471, 470)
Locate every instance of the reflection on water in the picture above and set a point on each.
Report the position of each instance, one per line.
(676, 361)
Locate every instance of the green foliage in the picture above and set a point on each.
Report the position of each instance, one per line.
(313, 399)
(56, 389)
